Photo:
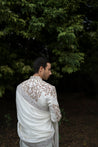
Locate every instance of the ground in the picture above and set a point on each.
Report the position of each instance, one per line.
(78, 127)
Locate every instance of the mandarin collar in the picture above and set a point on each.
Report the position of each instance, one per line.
(36, 77)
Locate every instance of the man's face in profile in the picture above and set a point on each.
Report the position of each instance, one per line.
(47, 72)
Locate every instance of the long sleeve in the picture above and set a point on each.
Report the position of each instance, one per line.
(53, 105)
(37, 104)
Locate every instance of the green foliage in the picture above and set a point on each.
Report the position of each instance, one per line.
(22, 68)
(7, 119)
(64, 118)
(2, 90)
(69, 62)
(5, 74)
(89, 39)
(32, 28)
(5, 71)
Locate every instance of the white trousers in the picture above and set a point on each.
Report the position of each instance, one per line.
(24, 144)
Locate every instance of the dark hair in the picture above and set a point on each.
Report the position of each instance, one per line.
(40, 61)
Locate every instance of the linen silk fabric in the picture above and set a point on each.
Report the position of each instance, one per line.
(38, 111)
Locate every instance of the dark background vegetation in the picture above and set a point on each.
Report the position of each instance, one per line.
(66, 32)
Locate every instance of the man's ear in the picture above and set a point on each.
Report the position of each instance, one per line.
(41, 68)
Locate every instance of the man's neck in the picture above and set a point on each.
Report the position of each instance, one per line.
(37, 74)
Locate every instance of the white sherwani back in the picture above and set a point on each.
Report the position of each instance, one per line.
(38, 113)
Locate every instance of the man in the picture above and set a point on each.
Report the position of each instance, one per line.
(38, 110)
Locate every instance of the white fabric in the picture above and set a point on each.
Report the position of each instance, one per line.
(38, 111)
(44, 144)
(33, 122)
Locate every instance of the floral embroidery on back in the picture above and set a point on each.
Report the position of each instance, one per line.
(35, 86)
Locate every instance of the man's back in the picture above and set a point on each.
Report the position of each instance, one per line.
(36, 91)
(37, 108)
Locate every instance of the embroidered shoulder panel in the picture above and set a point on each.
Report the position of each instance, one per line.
(35, 86)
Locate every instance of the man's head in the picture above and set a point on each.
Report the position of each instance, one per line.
(42, 67)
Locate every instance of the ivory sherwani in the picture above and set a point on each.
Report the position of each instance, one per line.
(38, 113)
